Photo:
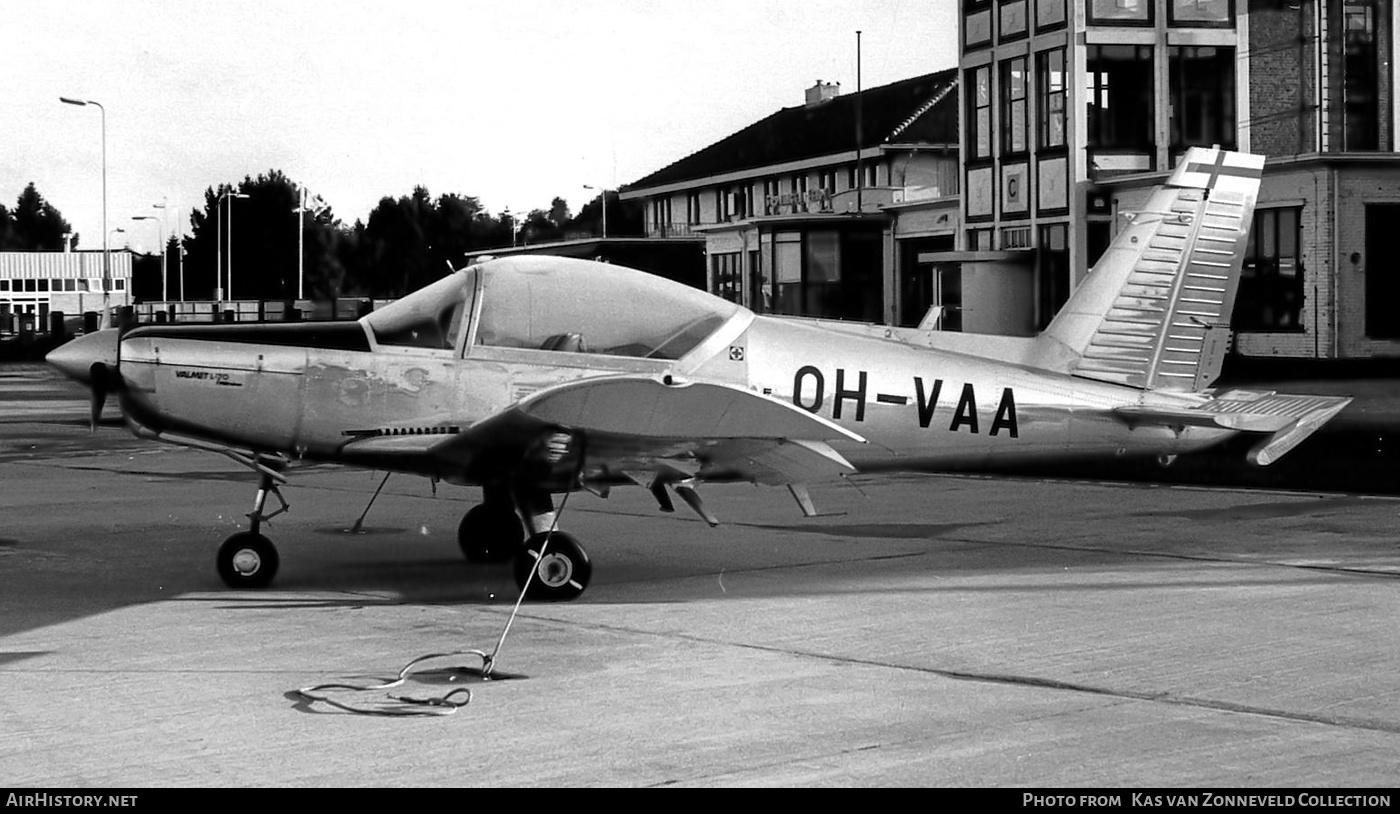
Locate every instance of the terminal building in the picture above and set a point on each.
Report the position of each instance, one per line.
(989, 191)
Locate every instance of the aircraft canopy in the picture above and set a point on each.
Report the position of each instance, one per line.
(556, 304)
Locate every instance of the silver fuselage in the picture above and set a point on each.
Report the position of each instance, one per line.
(916, 407)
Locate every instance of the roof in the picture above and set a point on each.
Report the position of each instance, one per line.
(921, 110)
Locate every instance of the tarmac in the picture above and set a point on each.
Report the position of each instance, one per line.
(928, 630)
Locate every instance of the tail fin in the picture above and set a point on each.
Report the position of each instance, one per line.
(1155, 310)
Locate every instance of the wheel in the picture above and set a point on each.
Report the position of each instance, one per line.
(560, 575)
(490, 533)
(247, 560)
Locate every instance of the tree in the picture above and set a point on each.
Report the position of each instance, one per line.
(266, 228)
(34, 225)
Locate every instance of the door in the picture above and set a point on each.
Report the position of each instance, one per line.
(1382, 271)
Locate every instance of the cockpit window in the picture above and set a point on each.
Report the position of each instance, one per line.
(432, 317)
(575, 306)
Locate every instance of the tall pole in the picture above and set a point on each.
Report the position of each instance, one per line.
(219, 250)
(301, 244)
(106, 253)
(164, 275)
(860, 174)
(228, 213)
(164, 296)
(603, 191)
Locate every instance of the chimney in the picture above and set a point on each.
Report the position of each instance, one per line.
(822, 92)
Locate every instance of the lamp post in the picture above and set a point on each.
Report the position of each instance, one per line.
(106, 255)
(604, 196)
(228, 193)
(164, 288)
(164, 275)
(301, 211)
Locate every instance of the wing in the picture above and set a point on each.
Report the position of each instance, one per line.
(1286, 419)
(611, 429)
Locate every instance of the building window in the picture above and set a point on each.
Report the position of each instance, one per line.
(1202, 96)
(825, 273)
(1050, 84)
(977, 22)
(827, 179)
(43, 285)
(1014, 128)
(121, 284)
(1361, 82)
(851, 177)
(872, 174)
(1121, 12)
(979, 240)
(1271, 283)
(692, 208)
(728, 280)
(979, 119)
(70, 285)
(1120, 96)
(1049, 14)
(4, 285)
(1012, 14)
(1201, 13)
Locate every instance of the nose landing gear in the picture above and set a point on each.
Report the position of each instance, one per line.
(248, 559)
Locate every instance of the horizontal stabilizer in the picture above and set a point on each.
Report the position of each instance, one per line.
(1288, 419)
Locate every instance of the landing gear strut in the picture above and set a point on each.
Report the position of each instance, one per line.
(552, 567)
(248, 559)
(550, 562)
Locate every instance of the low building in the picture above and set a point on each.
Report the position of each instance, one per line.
(842, 207)
(35, 284)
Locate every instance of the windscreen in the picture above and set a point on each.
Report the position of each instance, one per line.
(432, 317)
(578, 306)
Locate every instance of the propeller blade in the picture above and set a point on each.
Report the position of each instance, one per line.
(99, 398)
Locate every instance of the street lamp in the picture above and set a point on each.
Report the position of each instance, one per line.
(106, 255)
(164, 288)
(604, 196)
(228, 193)
(301, 211)
(164, 277)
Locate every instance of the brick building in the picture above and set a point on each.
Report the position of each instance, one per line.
(1081, 106)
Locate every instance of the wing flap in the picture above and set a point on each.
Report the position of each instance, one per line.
(774, 462)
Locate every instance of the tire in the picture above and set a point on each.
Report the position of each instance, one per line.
(490, 533)
(247, 560)
(561, 575)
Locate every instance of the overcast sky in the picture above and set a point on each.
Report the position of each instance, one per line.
(512, 102)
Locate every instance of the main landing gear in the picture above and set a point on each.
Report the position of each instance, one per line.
(248, 559)
(553, 564)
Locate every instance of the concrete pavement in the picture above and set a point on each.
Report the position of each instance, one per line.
(930, 630)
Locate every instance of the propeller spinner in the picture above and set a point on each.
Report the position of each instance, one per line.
(91, 360)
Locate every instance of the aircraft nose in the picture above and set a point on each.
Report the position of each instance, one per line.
(75, 358)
